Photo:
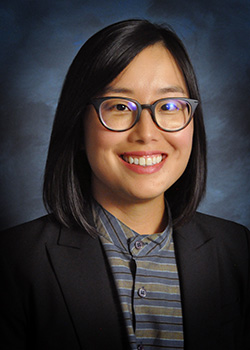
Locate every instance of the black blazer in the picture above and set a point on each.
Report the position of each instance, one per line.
(57, 290)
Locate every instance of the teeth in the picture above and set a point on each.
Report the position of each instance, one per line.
(149, 161)
(159, 159)
(143, 161)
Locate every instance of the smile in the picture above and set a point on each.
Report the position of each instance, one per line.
(144, 161)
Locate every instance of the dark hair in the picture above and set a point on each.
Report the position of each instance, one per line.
(67, 175)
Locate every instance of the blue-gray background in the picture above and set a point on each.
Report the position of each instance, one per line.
(38, 42)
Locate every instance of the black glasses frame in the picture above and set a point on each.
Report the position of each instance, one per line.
(96, 102)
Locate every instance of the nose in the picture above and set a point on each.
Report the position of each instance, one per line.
(145, 130)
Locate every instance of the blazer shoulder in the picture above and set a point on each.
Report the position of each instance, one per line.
(224, 231)
(33, 235)
(203, 227)
(34, 226)
(217, 223)
(27, 237)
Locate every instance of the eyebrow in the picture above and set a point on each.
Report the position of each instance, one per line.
(171, 89)
(164, 90)
(116, 90)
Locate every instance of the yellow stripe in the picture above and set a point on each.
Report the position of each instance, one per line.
(147, 265)
(119, 262)
(150, 333)
(154, 266)
(152, 287)
(157, 310)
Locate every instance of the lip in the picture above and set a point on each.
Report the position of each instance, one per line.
(144, 169)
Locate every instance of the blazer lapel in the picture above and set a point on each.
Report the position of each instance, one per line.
(200, 290)
(87, 286)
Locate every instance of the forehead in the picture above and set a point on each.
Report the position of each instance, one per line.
(153, 70)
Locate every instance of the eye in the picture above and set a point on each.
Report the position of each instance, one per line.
(113, 106)
(118, 106)
(170, 107)
(121, 107)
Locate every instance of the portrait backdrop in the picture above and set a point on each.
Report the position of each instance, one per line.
(38, 41)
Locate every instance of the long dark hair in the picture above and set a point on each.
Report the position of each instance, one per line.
(67, 175)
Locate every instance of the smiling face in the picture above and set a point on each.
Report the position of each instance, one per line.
(139, 164)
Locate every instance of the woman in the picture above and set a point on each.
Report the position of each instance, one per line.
(124, 261)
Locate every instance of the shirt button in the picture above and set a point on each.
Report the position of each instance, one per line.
(138, 245)
(142, 292)
(140, 347)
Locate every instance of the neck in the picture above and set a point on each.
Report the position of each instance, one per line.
(145, 217)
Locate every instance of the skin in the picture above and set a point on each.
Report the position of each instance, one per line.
(134, 196)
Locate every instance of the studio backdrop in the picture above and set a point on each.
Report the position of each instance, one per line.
(38, 41)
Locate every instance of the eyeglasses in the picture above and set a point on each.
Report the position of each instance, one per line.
(121, 113)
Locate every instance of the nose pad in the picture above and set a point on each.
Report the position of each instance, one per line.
(147, 108)
(147, 113)
(146, 116)
(145, 129)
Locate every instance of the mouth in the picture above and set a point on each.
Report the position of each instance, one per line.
(144, 160)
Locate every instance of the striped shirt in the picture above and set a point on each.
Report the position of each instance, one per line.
(146, 276)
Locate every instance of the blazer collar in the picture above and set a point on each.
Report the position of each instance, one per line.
(88, 288)
(199, 283)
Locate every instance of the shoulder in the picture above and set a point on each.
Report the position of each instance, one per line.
(30, 230)
(24, 248)
(225, 233)
(26, 242)
(214, 224)
(228, 241)
(32, 237)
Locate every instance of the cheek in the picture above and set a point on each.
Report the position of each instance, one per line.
(182, 141)
(186, 143)
(93, 140)
(99, 143)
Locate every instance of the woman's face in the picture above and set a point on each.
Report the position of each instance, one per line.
(152, 75)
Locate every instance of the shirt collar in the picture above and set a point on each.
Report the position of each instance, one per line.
(127, 240)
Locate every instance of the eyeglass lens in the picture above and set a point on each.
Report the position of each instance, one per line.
(120, 114)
